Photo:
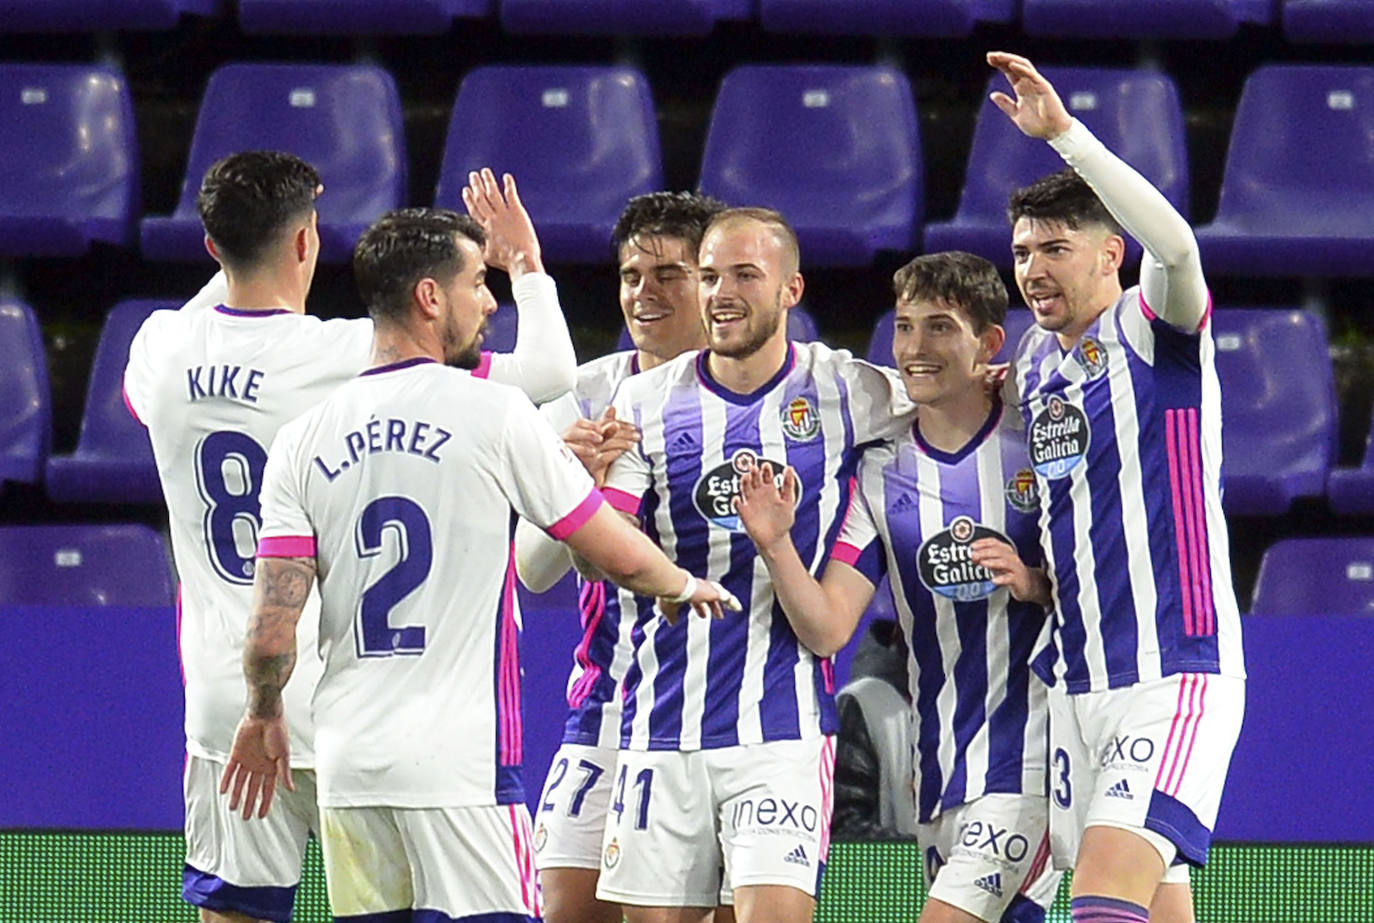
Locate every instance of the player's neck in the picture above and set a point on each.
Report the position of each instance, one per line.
(264, 291)
(392, 344)
(746, 374)
(949, 424)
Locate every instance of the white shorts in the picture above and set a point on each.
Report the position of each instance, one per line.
(683, 824)
(991, 857)
(571, 820)
(459, 862)
(1149, 758)
(242, 866)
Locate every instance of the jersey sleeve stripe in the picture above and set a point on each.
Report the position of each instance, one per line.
(124, 393)
(483, 369)
(622, 500)
(846, 553)
(578, 517)
(287, 546)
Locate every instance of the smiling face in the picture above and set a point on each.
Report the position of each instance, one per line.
(1066, 275)
(658, 296)
(748, 283)
(467, 303)
(938, 353)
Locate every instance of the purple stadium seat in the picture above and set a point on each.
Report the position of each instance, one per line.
(1115, 19)
(98, 15)
(25, 409)
(1316, 576)
(344, 119)
(616, 17)
(579, 140)
(105, 565)
(1018, 321)
(1351, 490)
(1136, 113)
(68, 159)
(113, 461)
(1328, 20)
(883, 17)
(834, 148)
(1278, 408)
(801, 326)
(354, 17)
(1298, 188)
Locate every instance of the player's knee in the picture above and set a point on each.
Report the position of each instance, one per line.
(1113, 862)
(224, 916)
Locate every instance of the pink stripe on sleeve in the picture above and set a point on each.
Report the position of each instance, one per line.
(578, 517)
(287, 546)
(483, 369)
(845, 553)
(621, 500)
(1145, 308)
(124, 392)
(1206, 315)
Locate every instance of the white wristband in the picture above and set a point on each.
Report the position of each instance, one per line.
(688, 591)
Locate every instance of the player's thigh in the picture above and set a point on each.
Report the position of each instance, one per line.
(1173, 901)
(1160, 752)
(773, 904)
(661, 847)
(246, 867)
(989, 859)
(774, 813)
(459, 862)
(1071, 778)
(570, 897)
(571, 819)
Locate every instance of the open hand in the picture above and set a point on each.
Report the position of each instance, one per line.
(260, 758)
(1037, 110)
(512, 244)
(767, 512)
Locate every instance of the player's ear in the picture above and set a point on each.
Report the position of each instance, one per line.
(792, 290)
(302, 243)
(990, 342)
(211, 249)
(1113, 253)
(425, 296)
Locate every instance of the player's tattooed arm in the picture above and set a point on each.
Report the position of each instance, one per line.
(280, 589)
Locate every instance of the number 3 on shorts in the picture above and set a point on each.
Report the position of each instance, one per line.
(1063, 789)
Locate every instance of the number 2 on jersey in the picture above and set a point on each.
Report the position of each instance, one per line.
(376, 636)
(229, 475)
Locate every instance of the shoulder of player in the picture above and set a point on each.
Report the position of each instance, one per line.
(613, 367)
(654, 381)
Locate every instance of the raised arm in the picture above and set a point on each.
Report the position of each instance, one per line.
(543, 363)
(823, 613)
(1171, 279)
(260, 755)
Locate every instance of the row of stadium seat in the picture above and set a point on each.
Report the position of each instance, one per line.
(835, 148)
(128, 565)
(1278, 404)
(1300, 20)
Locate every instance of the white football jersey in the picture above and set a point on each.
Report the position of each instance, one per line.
(404, 485)
(213, 387)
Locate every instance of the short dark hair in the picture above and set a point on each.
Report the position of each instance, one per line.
(961, 279)
(404, 246)
(1064, 197)
(682, 215)
(786, 234)
(247, 199)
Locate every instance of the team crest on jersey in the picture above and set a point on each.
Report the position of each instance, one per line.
(1091, 356)
(716, 489)
(800, 421)
(1059, 438)
(946, 565)
(1021, 491)
(541, 836)
(612, 856)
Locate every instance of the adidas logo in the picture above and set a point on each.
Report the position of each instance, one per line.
(902, 504)
(990, 883)
(797, 857)
(683, 442)
(1120, 790)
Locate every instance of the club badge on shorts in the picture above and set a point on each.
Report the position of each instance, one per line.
(612, 857)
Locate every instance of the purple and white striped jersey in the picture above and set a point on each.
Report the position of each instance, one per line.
(704, 684)
(1124, 432)
(978, 716)
(603, 651)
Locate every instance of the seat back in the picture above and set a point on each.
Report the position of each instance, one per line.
(1141, 18)
(835, 148)
(580, 142)
(1278, 401)
(25, 405)
(608, 17)
(1301, 157)
(1328, 20)
(356, 17)
(345, 120)
(68, 159)
(1316, 576)
(98, 15)
(97, 565)
(107, 427)
(882, 17)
